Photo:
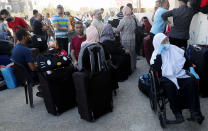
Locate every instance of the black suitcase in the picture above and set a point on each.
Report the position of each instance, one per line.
(93, 84)
(58, 90)
(94, 94)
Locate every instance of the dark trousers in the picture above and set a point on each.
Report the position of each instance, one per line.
(184, 98)
(63, 43)
(151, 38)
(181, 43)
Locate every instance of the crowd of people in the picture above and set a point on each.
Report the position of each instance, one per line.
(168, 56)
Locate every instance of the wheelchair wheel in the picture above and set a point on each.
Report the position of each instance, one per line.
(153, 92)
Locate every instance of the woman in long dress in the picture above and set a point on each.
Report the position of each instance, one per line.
(127, 28)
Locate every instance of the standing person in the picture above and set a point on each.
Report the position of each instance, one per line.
(182, 17)
(14, 23)
(48, 22)
(120, 14)
(77, 41)
(32, 20)
(39, 28)
(62, 27)
(157, 5)
(127, 27)
(71, 19)
(112, 16)
(97, 21)
(159, 24)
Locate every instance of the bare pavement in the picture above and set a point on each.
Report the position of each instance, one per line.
(131, 112)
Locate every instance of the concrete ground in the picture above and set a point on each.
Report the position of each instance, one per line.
(131, 113)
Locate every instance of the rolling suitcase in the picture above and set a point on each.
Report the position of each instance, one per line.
(94, 87)
(58, 90)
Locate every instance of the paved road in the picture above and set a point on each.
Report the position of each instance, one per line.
(131, 113)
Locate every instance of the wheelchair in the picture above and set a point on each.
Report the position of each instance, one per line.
(158, 98)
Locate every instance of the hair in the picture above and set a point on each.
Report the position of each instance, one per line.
(129, 5)
(1, 19)
(162, 2)
(101, 9)
(35, 12)
(21, 33)
(78, 23)
(121, 8)
(4, 12)
(184, 1)
(145, 18)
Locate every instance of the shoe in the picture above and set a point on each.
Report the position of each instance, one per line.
(197, 117)
(179, 119)
(39, 94)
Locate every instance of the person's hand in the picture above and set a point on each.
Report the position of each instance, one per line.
(192, 71)
(45, 28)
(127, 51)
(75, 64)
(161, 48)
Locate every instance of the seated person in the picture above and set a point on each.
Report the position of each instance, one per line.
(4, 31)
(77, 41)
(180, 87)
(22, 54)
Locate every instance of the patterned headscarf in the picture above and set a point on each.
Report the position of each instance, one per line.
(107, 34)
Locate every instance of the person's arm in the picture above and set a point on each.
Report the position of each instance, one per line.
(166, 15)
(120, 26)
(29, 59)
(55, 23)
(74, 58)
(32, 66)
(157, 64)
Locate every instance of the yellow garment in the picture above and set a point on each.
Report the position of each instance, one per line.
(72, 21)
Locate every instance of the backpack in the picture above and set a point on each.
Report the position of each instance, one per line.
(52, 59)
(92, 58)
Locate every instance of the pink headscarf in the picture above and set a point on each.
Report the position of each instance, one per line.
(127, 11)
(92, 35)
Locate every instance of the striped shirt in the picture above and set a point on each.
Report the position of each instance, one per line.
(120, 15)
(63, 22)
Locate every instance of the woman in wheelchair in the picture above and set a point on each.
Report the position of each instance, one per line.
(177, 77)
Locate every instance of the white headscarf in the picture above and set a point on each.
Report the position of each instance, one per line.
(173, 60)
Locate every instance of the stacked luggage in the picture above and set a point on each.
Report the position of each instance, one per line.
(93, 83)
(56, 81)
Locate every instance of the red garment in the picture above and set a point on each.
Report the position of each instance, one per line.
(76, 45)
(147, 26)
(204, 3)
(18, 23)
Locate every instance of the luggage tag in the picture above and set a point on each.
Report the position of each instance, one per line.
(39, 39)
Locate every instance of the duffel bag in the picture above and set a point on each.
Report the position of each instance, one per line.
(144, 84)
